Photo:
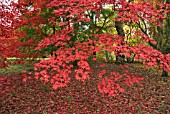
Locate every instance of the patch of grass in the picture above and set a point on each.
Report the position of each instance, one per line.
(17, 68)
(14, 58)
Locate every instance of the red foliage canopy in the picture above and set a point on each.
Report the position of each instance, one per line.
(64, 15)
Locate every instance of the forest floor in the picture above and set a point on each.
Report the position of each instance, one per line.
(33, 97)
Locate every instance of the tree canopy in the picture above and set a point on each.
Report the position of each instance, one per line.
(75, 32)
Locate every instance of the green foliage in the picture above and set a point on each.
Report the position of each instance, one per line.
(49, 49)
(17, 68)
(100, 56)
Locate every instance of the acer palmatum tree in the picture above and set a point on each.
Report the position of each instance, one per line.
(70, 27)
(159, 33)
(8, 44)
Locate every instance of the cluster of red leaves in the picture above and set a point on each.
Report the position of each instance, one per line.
(110, 86)
(9, 47)
(59, 66)
(7, 15)
(133, 12)
(148, 55)
(5, 86)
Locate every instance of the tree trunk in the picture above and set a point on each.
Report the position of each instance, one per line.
(119, 28)
(164, 73)
(107, 56)
(166, 47)
(120, 31)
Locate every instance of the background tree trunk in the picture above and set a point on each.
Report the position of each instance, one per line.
(166, 47)
(120, 31)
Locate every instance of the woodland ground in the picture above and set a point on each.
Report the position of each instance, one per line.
(33, 97)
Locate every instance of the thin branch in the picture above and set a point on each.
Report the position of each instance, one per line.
(105, 22)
